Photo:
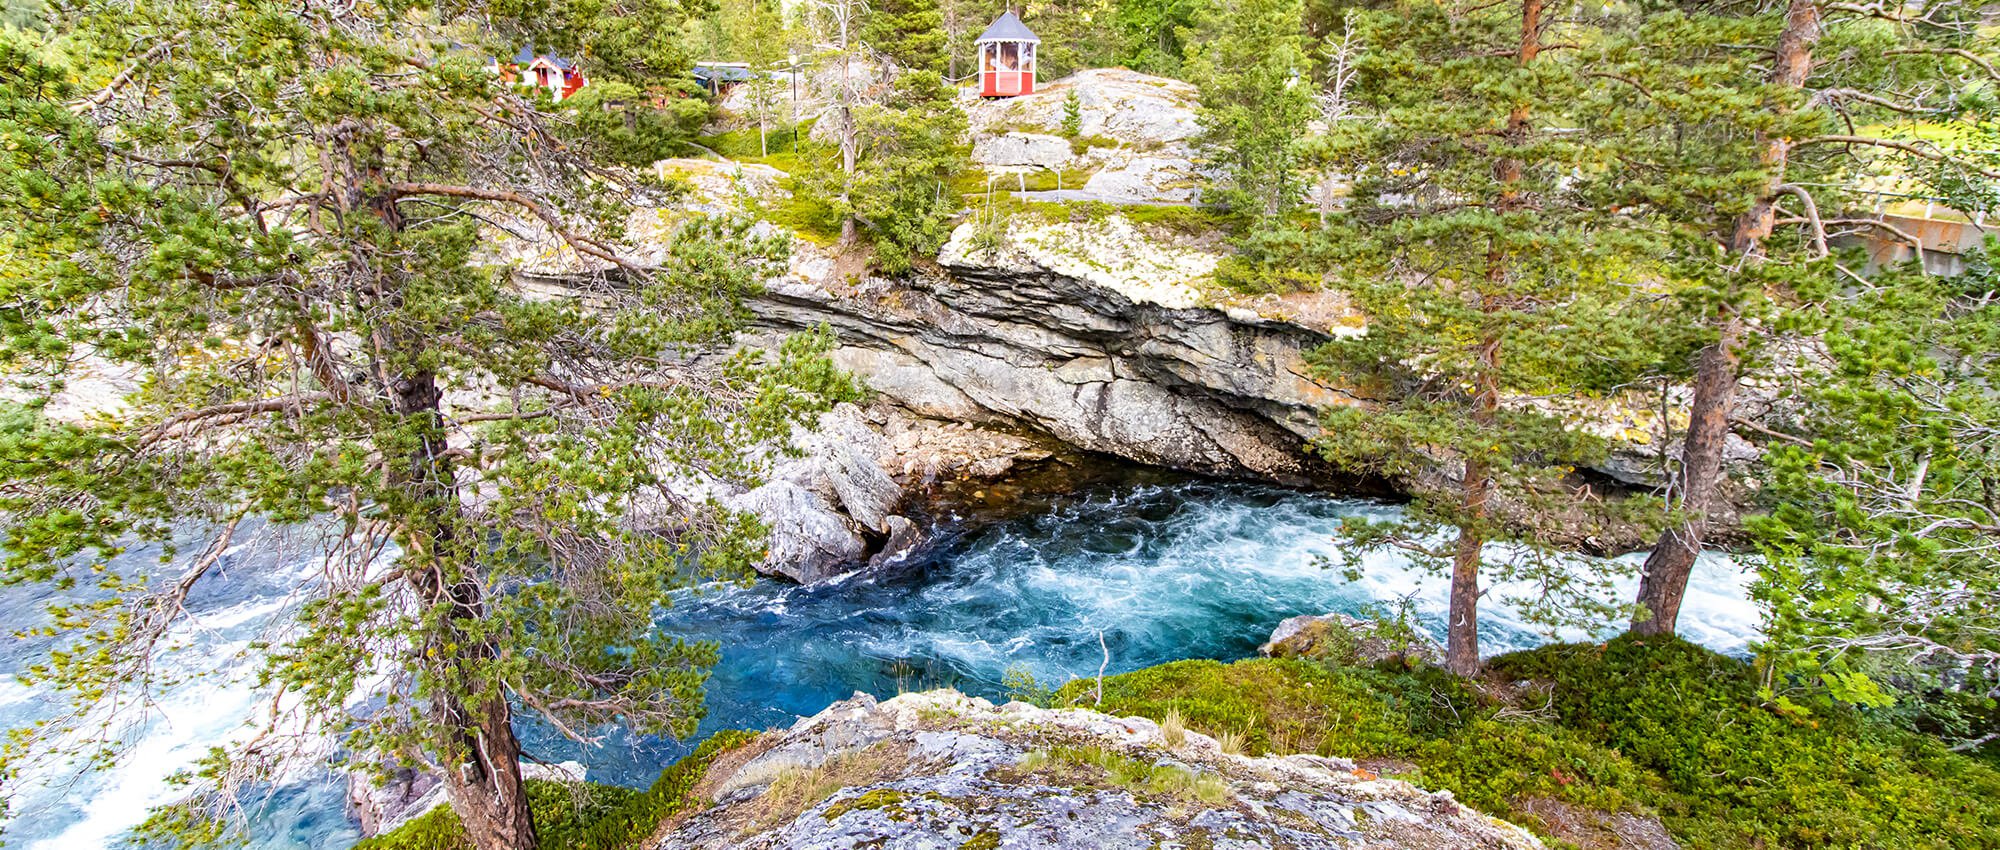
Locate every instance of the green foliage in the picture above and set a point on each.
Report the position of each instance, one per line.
(1879, 534)
(1075, 36)
(1153, 35)
(617, 119)
(1020, 684)
(580, 816)
(1072, 119)
(24, 15)
(909, 33)
(1290, 705)
(1254, 104)
(1662, 728)
(630, 41)
(1742, 773)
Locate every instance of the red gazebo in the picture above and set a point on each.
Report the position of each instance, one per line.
(1007, 58)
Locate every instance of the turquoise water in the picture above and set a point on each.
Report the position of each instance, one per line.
(1163, 571)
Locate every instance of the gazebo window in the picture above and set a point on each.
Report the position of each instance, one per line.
(1007, 58)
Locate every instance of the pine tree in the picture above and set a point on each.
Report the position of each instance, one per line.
(273, 216)
(760, 32)
(909, 33)
(1753, 159)
(1255, 103)
(910, 151)
(1487, 278)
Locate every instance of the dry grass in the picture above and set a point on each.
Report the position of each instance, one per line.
(794, 792)
(1173, 729)
(1230, 742)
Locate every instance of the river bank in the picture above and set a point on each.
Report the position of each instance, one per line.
(1165, 565)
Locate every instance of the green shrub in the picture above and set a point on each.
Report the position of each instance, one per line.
(1657, 727)
(1494, 765)
(1285, 705)
(1748, 775)
(579, 816)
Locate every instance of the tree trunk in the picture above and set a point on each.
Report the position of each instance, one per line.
(1461, 654)
(485, 787)
(1663, 580)
(1476, 483)
(479, 753)
(481, 756)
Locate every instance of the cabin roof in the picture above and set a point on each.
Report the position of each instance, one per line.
(723, 72)
(527, 56)
(1008, 28)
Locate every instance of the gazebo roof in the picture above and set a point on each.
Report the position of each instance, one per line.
(1008, 28)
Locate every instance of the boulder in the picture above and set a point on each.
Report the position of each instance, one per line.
(1135, 109)
(822, 504)
(1340, 639)
(942, 770)
(1149, 179)
(1022, 150)
(809, 540)
(904, 539)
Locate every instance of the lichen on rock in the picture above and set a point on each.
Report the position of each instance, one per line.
(1341, 639)
(943, 770)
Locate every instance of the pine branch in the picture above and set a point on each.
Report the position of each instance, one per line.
(1960, 52)
(1905, 147)
(582, 244)
(1812, 216)
(104, 95)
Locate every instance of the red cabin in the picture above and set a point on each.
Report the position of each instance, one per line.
(554, 74)
(1007, 58)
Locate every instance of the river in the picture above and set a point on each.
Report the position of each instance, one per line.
(1162, 568)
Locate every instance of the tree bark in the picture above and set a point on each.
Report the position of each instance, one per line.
(1476, 482)
(481, 756)
(1664, 578)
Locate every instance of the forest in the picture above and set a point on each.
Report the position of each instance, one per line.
(470, 389)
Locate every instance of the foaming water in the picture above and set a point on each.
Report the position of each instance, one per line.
(1161, 572)
(57, 808)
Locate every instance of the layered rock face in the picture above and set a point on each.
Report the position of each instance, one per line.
(1131, 368)
(941, 770)
(838, 504)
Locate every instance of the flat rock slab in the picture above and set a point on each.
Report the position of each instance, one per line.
(942, 770)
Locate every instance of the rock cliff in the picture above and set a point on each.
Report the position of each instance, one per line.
(941, 770)
(1132, 367)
